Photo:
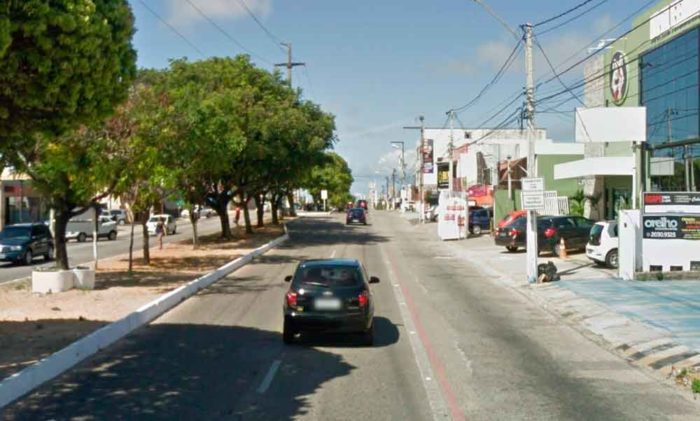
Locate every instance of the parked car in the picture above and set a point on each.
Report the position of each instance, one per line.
(356, 215)
(550, 230)
(479, 220)
(512, 216)
(170, 225)
(20, 243)
(603, 244)
(119, 216)
(81, 228)
(329, 295)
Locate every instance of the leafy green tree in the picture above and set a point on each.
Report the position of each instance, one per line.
(333, 175)
(62, 63)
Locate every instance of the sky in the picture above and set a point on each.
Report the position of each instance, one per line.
(379, 64)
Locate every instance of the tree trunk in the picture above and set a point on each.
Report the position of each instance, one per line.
(274, 203)
(146, 246)
(225, 222)
(292, 209)
(193, 220)
(260, 207)
(246, 215)
(62, 217)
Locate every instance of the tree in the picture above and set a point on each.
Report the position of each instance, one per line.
(62, 63)
(332, 175)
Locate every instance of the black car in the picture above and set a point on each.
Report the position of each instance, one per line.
(329, 295)
(20, 243)
(356, 215)
(550, 230)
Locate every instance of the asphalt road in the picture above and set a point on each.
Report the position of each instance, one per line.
(80, 253)
(450, 344)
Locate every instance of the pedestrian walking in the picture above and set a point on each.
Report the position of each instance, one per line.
(238, 214)
(160, 232)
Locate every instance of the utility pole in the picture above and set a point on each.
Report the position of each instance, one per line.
(421, 210)
(531, 238)
(393, 186)
(450, 149)
(289, 64)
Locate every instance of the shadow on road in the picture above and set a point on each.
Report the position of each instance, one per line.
(327, 231)
(24, 343)
(186, 371)
(385, 334)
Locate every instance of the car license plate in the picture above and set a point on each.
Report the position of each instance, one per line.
(327, 304)
(2, 256)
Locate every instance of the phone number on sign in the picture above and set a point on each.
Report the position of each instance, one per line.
(662, 234)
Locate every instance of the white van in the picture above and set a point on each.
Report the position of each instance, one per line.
(603, 243)
(170, 225)
(81, 227)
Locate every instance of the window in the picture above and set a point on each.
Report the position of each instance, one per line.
(328, 276)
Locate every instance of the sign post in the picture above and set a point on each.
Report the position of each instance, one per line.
(532, 201)
(324, 196)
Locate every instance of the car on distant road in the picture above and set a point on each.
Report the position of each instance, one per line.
(362, 204)
(20, 243)
(550, 230)
(80, 228)
(512, 216)
(356, 215)
(119, 216)
(603, 242)
(479, 220)
(170, 225)
(329, 295)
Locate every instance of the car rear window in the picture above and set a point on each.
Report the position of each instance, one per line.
(328, 276)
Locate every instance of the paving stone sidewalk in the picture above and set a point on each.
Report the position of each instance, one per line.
(653, 324)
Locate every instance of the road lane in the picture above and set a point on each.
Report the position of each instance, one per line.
(81, 253)
(210, 357)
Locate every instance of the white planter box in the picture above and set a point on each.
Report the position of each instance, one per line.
(52, 281)
(84, 278)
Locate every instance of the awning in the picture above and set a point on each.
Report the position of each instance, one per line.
(607, 165)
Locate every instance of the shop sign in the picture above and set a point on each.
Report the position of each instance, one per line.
(673, 198)
(671, 227)
(533, 184)
(533, 201)
(619, 83)
(428, 157)
(443, 175)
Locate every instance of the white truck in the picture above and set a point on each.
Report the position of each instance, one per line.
(82, 226)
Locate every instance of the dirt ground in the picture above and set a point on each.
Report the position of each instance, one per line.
(33, 326)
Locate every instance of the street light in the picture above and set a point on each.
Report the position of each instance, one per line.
(395, 145)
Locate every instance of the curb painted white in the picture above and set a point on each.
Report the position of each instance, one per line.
(52, 366)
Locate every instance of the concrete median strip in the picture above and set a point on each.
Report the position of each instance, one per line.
(59, 362)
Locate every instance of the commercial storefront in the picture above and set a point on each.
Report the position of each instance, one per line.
(654, 66)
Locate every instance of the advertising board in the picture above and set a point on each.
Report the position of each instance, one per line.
(428, 157)
(452, 222)
(671, 227)
(443, 175)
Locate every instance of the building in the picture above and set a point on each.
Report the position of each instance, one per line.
(654, 66)
(19, 202)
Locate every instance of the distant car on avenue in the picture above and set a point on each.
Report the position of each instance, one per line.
(20, 243)
(356, 215)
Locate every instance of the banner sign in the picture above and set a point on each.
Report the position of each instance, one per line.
(428, 157)
(671, 227)
(452, 220)
(443, 175)
(673, 198)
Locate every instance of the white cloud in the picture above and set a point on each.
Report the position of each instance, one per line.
(180, 12)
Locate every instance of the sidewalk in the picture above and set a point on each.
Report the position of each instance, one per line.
(651, 324)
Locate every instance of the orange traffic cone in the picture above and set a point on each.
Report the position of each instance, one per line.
(562, 248)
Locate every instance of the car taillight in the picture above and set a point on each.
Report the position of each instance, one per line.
(514, 232)
(292, 299)
(550, 232)
(363, 299)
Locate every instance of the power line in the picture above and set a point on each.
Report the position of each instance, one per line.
(553, 18)
(580, 15)
(275, 39)
(225, 33)
(509, 61)
(553, 70)
(602, 36)
(172, 28)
